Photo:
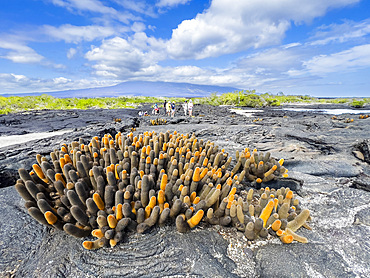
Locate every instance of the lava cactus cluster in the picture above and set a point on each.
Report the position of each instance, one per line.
(110, 187)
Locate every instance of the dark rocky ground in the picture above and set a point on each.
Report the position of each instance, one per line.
(324, 161)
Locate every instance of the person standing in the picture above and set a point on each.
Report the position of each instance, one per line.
(155, 110)
(165, 107)
(168, 108)
(173, 109)
(190, 108)
(185, 106)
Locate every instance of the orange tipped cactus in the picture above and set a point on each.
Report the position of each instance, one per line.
(50, 217)
(193, 195)
(286, 238)
(39, 173)
(112, 221)
(98, 201)
(266, 212)
(59, 177)
(119, 214)
(196, 200)
(92, 245)
(203, 173)
(124, 181)
(276, 225)
(161, 197)
(152, 202)
(97, 233)
(148, 210)
(196, 218)
(196, 174)
(67, 158)
(163, 182)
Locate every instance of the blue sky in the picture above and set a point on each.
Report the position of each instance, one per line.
(314, 47)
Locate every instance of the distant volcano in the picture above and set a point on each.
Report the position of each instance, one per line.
(142, 88)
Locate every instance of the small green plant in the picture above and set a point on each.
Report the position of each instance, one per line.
(357, 103)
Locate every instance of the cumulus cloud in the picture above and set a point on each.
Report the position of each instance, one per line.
(118, 51)
(118, 57)
(225, 28)
(61, 80)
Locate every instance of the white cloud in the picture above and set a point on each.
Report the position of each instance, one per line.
(228, 28)
(74, 34)
(118, 57)
(340, 33)
(19, 52)
(61, 80)
(118, 51)
(276, 60)
(84, 5)
(354, 58)
(138, 27)
(71, 53)
(14, 83)
(294, 44)
(95, 6)
(187, 71)
(171, 3)
(138, 6)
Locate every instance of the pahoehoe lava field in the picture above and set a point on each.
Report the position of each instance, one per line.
(329, 173)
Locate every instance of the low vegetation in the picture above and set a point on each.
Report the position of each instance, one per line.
(15, 104)
(238, 98)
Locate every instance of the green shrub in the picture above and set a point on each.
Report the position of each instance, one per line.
(273, 102)
(357, 103)
(251, 100)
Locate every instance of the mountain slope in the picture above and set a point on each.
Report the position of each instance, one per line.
(143, 88)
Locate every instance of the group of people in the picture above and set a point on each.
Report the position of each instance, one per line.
(170, 108)
(188, 107)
